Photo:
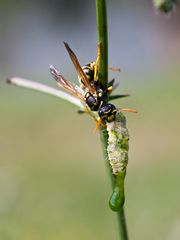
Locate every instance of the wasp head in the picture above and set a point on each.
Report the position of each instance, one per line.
(107, 112)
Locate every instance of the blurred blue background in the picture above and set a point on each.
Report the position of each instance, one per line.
(53, 183)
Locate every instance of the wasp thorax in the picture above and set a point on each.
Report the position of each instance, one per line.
(100, 93)
(107, 112)
(91, 101)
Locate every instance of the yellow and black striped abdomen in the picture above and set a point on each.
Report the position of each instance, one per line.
(89, 72)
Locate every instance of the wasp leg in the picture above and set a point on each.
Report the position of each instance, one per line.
(114, 69)
(109, 90)
(111, 83)
(99, 124)
(112, 86)
(99, 121)
(95, 64)
(87, 110)
(80, 111)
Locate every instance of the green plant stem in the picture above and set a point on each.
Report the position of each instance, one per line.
(103, 76)
(121, 215)
(122, 225)
(103, 42)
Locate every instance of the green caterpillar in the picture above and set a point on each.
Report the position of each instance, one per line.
(118, 146)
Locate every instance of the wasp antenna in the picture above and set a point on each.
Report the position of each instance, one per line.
(127, 110)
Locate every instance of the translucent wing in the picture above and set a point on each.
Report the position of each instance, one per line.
(79, 69)
(67, 85)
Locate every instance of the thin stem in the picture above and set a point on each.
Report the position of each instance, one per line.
(103, 76)
(102, 41)
(122, 225)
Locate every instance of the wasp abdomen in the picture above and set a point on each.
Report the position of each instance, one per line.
(89, 72)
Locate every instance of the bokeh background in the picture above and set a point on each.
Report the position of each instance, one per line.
(53, 182)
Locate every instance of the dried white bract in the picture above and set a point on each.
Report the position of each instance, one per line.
(118, 146)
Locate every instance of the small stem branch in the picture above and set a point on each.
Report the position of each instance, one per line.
(103, 78)
(20, 82)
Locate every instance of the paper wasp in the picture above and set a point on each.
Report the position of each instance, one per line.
(90, 92)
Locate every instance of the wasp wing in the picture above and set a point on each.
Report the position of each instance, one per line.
(67, 85)
(79, 69)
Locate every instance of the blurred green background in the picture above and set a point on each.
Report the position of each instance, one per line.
(53, 182)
